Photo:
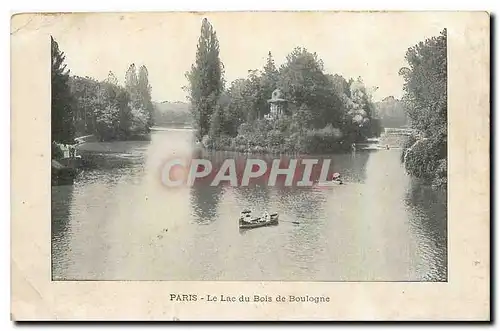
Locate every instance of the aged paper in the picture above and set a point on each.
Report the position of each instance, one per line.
(107, 236)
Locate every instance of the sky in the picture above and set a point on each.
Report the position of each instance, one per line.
(370, 45)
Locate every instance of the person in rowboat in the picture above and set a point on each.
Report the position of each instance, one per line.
(336, 178)
(246, 215)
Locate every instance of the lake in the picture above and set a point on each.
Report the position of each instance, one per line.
(120, 222)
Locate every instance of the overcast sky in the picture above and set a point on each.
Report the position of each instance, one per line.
(372, 46)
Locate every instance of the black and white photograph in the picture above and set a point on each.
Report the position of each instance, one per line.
(221, 152)
(250, 165)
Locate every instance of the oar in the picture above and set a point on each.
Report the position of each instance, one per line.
(293, 222)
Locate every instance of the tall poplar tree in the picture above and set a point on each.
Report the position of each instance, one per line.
(268, 84)
(144, 90)
(205, 79)
(132, 85)
(112, 78)
(63, 129)
(270, 70)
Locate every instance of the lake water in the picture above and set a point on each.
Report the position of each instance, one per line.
(120, 222)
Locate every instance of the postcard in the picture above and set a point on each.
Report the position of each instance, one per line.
(251, 166)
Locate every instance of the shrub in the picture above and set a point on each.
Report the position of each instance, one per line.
(441, 174)
(292, 142)
(422, 159)
(138, 120)
(275, 138)
(407, 144)
(56, 151)
(244, 129)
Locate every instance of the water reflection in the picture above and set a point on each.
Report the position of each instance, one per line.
(205, 202)
(255, 197)
(60, 243)
(306, 242)
(429, 223)
(120, 222)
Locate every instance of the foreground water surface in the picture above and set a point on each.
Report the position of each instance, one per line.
(119, 222)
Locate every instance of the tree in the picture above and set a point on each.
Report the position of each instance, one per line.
(107, 121)
(426, 83)
(138, 120)
(105, 110)
(324, 112)
(112, 79)
(426, 101)
(237, 105)
(301, 119)
(268, 83)
(123, 103)
(270, 71)
(303, 81)
(217, 122)
(62, 117)
(132, 85)
(144, 90)
(205, 79)
(139, 97)
(84, 92)
(340, 85)
(392, 112)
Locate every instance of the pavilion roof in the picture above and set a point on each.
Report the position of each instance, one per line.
(277, 100)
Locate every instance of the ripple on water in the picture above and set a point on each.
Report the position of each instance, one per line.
(428, 222)
(103, 227)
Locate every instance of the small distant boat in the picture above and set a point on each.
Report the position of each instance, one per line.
(259, 222)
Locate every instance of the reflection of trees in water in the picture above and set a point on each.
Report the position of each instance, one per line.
(306, 241)
(112, 155)
(204, 197)
(62, 197)
(302, 202)
(429, 221)
(254, 197)
(112, 161)
(205, 201)
(83, 221)
(352, 166)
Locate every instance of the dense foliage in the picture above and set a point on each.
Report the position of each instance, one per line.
(62, 101)
(85, 106)
(323, 112)
(110, 111)
(172, 113)
(425, 98)
(392, 113)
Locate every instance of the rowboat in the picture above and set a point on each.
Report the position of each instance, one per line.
(259, 222)
(336, 179)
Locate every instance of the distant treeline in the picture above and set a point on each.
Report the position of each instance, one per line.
(392, 113)
(171, 113)
(85, 106)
